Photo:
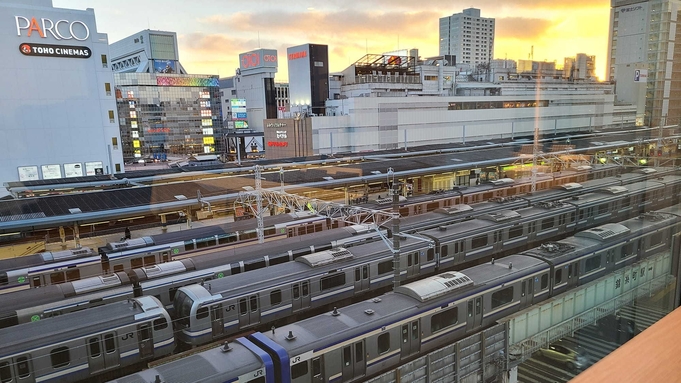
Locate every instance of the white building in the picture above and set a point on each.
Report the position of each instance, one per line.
(147, 52)
(57, 106)
(642, 51)
(467, 36)
(580, 67)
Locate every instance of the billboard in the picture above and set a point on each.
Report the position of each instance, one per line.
(51, 172)
(257, 59)
(641, 75)
(238, 106)
(73, 170)
(164, 66)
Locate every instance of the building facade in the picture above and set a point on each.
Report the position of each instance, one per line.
(308, 76)
(467, 36)
(643, 59)
(57, 107)
(168, 114)
(579, 68)
(147, 52)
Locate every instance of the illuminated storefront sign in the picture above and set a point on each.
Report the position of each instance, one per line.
(297, 55)
(261, 58)
(60, 30)
(158, 130)
(64, 51)
(276, 143)
(276, 125)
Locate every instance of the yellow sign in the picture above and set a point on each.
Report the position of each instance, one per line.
(208, 140)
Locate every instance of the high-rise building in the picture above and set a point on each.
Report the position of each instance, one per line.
(57, 107)
(467, 36)
(308, 76)
(580, 67)
(644, 59)
(163, 110)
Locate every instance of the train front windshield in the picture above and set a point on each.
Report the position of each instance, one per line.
(183, 307)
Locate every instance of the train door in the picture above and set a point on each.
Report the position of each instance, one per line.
(102, 353)
(217, 320)
(361, 278)
(573, 274)
(165, 256)
(354, 365)
(526, 292)
(474, 313)
(19, 367)
(249, 310)
(300, 295)
(413, 267)
(145, 340)
(317, 370)
(411, 339)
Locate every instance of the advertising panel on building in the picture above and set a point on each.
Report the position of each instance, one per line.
(287, 138)
(257, 59)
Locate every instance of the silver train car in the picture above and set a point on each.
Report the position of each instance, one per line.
(83, 345)
(223, 307)
(163, 280)
(364, 339)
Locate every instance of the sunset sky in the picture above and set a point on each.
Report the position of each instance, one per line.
(212, 33)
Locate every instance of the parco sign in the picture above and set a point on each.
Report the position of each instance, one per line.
(59, 30)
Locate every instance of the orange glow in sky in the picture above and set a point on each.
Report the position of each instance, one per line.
(212, 34)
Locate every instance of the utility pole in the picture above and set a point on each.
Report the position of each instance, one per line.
(258, 201)
(394, 190)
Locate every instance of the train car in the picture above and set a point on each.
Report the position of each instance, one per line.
(239, 361)
(364, 339)
(356, 342)
(162, 280)
(83, 345)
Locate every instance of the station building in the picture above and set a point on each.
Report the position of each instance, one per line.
(163, 111)
(57, 107)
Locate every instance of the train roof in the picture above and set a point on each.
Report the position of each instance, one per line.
(408, 300)
(210, 365)
(62, 328)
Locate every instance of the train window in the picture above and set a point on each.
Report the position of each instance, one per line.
(270, 232)
(318, 227)
(430, 254)
(626, 202)
(444, 250)
(118, 268)
(257, 380)
(603, 208)
(301, 230)
(572, 216)
(582, 214)
(3, 279)
(547, 223)
(235, 268)
(189, 245)
(444, 319)
(479, 241)
(296, 291)
(298, 370)
(144, 332)
(36, 281)
(254, 303)
(93, 344)
(23, 370)
(72, 275)
(243, 307)
(161, 323)
(275, 297)
(202, 313)
(109, 343)
(332, 281)
(656, 239)
(522, 290)
(359, 352)
(383, 343)
(592, 263)
(357, 274)
(60, 357)
(561, 219)
(544, 281)
(259, 264)
(278, 260)
(57, 278)
(515, 232)
(316, 367)
(149, 260)
(627, 250)
(470, 308)
(5, 372)
(432, 206)
(306, 289)
(386, 267)
(502, 297)
(136, 262)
